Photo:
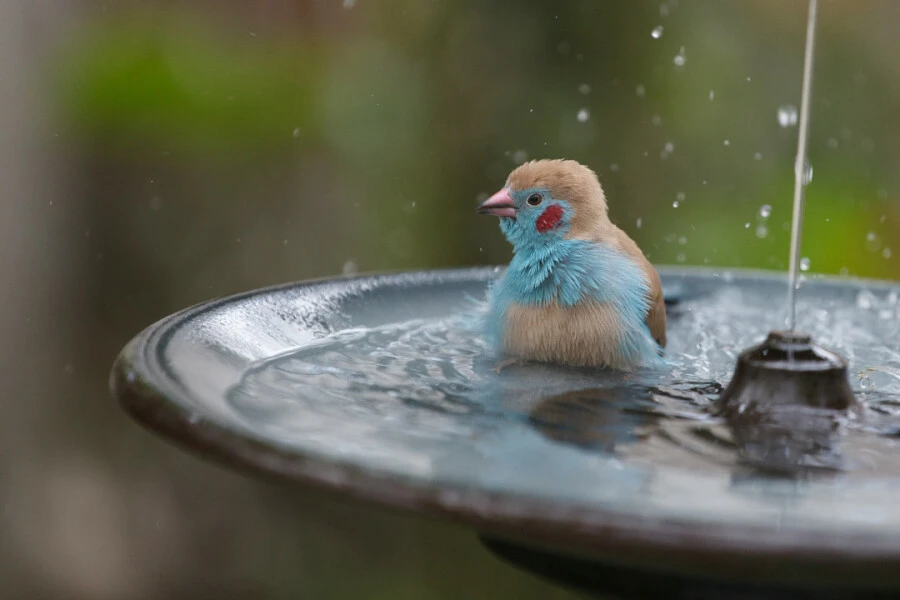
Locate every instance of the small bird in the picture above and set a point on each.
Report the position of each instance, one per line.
(578, 290)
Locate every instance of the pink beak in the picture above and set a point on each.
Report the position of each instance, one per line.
(500, 205)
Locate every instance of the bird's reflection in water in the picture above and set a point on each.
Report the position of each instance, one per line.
(598, 419)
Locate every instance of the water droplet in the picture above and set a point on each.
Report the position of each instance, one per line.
(757, 156)
(804, 264)
(765, 211)
(864, 382)
(639, 223)
(747, 225)
(680, 196)
(873, 242)
(413, 205)
(669, 147)
(682, 240)
(656, 120)
(519, 157)
(865, 300)
(640, 90)
(832, 143)
(583, 115)
(762, 231)
(886, 253)
(350, 267)
(844, 271)
(657, 32)
(681, 258)
(726, 142)
(787, 115)
(296, 133)
(807, 174)
(584, 88)
(712, 95)
(680, 59)
(675, 204)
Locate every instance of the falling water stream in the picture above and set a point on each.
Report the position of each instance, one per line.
(800, 167)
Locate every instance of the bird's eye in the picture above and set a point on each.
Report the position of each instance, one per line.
(535, 199)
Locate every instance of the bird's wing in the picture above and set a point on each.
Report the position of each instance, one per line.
(656, 315)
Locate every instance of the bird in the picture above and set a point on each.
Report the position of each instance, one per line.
(578, 290)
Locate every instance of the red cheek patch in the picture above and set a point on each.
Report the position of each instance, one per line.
(550, 218)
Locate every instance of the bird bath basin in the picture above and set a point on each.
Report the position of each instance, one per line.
(380, 387)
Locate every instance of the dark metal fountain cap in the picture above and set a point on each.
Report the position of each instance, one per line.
(788, 370)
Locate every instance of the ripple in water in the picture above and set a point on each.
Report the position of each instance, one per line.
(414, 394)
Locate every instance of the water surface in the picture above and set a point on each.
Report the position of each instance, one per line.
(421, 396)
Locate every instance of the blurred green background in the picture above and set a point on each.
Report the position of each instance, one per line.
(158, 154)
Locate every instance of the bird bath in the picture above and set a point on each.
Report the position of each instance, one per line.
(634, 485)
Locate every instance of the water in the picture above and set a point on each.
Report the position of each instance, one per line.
(409, 393)
(787, 116)
(802, 169)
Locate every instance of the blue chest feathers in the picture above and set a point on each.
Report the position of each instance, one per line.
(568, 272)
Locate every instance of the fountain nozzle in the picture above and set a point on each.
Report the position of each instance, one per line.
(786, 402)
(788, 369)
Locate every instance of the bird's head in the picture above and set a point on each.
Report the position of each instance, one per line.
(548, 200)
